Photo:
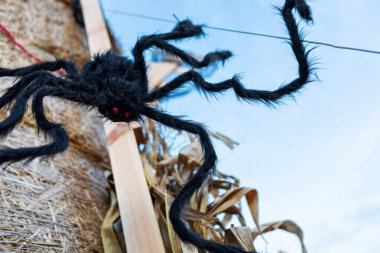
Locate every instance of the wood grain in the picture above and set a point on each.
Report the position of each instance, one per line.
(136, 209)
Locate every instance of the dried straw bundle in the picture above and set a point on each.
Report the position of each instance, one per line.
(53, 204)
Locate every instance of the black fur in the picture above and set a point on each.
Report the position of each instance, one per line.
(118, 88)
(77, 12)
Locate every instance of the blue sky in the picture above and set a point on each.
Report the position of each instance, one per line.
(315, 161)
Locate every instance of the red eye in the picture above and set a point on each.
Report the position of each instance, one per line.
(127, 114)
(115, 110)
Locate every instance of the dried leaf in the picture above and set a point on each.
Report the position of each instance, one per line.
(201, 218)
(234, 196)
(188, 248)
(167, 173)
(191, 154)
(149, 172)
(110, 239)
(286, 225)
(225, 139)
(240, 236)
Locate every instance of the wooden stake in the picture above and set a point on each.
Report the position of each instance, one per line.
(159, 71)
(136, 209)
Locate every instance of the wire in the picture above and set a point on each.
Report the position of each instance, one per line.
(136, 15)
(17, 44)
(23, 49)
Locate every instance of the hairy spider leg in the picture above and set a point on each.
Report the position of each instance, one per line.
(58, 64)
(208, 164)
(27, 74)
(57, 133)
(189, 76)
(18, 109)
(184, 29)
(208, 59)
(267, 97)
(203, 173)
(26, 80)
(13, 91)
(21, 96)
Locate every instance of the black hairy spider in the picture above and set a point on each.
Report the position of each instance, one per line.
(118, 88)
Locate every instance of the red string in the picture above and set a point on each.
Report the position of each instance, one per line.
(23, 49)
(17, 44)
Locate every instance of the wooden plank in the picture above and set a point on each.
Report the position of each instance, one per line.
(136, 209)
(159, 71)
(96, 29)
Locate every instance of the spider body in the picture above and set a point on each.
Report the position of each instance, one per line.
(118, 93)
(118, 88)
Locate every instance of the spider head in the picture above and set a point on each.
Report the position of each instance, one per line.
(120, 102)
(119, 112)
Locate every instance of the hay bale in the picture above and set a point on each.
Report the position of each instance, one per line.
(52, 204)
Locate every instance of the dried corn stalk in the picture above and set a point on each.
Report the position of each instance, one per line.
(210, 212)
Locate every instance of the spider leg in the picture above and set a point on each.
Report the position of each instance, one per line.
(197, 79)
(18, 109)
(26, 80)
(203, 173)
(56, 132)
(183, 30)
(68, 66)
(268, 97)
(209, 58)
(24, 90)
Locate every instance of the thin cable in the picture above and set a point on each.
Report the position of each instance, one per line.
(131, 14)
